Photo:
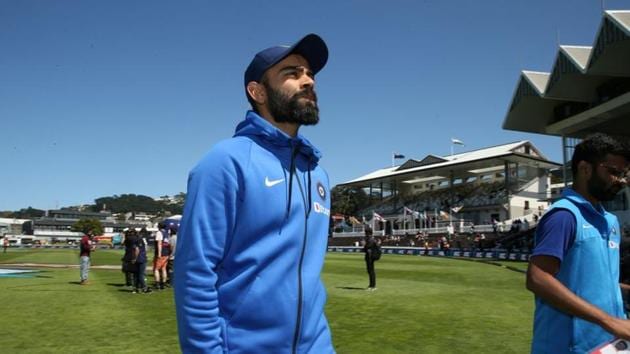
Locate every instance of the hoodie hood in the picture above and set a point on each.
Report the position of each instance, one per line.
(259, 128)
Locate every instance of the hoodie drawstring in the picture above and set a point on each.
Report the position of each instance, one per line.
(310, 201)
(294, 152)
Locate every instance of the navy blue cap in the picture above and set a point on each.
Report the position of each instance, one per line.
(311, 47)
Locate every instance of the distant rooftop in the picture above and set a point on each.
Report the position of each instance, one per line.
(469, 162)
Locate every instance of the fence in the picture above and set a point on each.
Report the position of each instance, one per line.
(421, 251)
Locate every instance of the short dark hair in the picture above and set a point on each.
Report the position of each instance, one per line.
(594, 149)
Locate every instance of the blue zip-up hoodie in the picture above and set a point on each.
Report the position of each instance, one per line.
(251, 247)
(590, 269)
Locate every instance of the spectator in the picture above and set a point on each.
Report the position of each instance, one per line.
(140, 262)
(525, 224)
(160, 257)
(372, 254)
(86, 248)
(171, 257)
(128, 267)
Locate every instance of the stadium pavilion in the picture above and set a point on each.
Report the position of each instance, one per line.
(587, 91)
(495, 183)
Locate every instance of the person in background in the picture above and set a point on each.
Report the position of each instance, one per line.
(370, 248)
(139, 260)
(160, 257)
(5, 243)
(171, 257)
(574, 268)
(129, 242)
(85, 248)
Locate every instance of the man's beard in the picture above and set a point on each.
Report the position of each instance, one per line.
(598, 188)
(285, 109)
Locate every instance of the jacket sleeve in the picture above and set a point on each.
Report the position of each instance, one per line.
(206, 227)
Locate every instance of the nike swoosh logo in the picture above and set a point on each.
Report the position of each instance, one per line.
(269, 183)
(587, 226)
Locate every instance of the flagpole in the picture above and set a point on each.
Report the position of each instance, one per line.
(404, 218)
(436, 219)
(373, 224)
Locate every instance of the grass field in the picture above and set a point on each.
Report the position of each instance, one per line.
(422, 305)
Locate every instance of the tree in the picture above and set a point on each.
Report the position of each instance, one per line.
(28, 213)
(85, 225)
(129, 203)
(348, 200)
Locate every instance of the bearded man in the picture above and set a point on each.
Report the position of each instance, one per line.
(574, 268)
(254, 230)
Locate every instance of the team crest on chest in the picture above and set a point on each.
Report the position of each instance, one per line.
(321, 190)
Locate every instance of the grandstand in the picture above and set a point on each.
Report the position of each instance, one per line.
(484, 190)
(586, 91)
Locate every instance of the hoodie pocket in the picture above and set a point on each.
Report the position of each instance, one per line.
(244, 299)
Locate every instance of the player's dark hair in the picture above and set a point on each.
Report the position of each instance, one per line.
(594, 149)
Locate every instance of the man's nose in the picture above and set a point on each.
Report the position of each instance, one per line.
(308, 81)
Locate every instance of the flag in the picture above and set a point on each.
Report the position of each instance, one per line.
(457, 209)
(377, 217)
(457, 141)
(411, 212)
(399, 156)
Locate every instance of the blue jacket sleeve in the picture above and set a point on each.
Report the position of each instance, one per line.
(206, 226)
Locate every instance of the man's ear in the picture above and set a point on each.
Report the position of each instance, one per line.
(585, 169)
(257, 92)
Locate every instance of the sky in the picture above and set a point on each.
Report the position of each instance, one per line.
(102, 98)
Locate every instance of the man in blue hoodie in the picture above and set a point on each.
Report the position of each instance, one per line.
(253, 235)
(574, 268)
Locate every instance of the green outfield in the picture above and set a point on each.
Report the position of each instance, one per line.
(422, 305)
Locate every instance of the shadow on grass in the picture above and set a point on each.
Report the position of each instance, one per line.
(118, 285)
(349, 288)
